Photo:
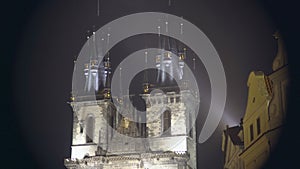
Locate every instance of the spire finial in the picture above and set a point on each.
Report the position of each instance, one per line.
(167, 23)
(146, 73)
(194, 63)
(159, 37)
(95, 49)
(107, 94)
(107, 45)
(88, 41)
(181, 28)
(158, 28)
(146, 57)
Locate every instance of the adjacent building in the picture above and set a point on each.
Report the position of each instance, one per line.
(265, 114)
(233, 145)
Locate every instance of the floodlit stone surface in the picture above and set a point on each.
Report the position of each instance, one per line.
(112, 141)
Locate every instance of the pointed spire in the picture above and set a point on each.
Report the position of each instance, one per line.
(94, 76)
(167, 43)
(94, 45)
(87, 66)
(88, 44)
(107, 82)
(146, 80)
(107, 93)
(146, 72)
(107, 72)
(181, 28)
(194, 64)
(120, 82)
(167, 26)
(159, 37)
(182, 56)
(159, 54)
(158, 29)
(107, 45)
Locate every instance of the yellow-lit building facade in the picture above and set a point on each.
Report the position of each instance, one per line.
(265, 112)
(232, 146)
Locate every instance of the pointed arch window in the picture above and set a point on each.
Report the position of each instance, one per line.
(166, 122)
(90, 127)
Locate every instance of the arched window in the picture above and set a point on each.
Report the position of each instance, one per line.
(90, 127)
(166, 122)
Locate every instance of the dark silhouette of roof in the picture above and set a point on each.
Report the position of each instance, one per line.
(233, 132)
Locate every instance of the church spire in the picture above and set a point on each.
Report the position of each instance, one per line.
(120, 82)
(107, 72)
(91, 68)
(146, 80)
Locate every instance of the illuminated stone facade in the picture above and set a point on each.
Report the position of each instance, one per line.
(111, 133)
(265, 113)
(117, 145)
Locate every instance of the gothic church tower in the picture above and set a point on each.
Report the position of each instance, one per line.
(103, 136)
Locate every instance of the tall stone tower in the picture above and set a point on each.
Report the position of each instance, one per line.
(108, 134)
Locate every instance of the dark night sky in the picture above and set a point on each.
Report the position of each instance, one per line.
(43, 37)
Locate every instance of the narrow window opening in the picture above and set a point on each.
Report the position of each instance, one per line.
(81, 129)
(258, 126)
(90, 122)
(172, 99)
(251, 132)
(166, 122)
(177, 99)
